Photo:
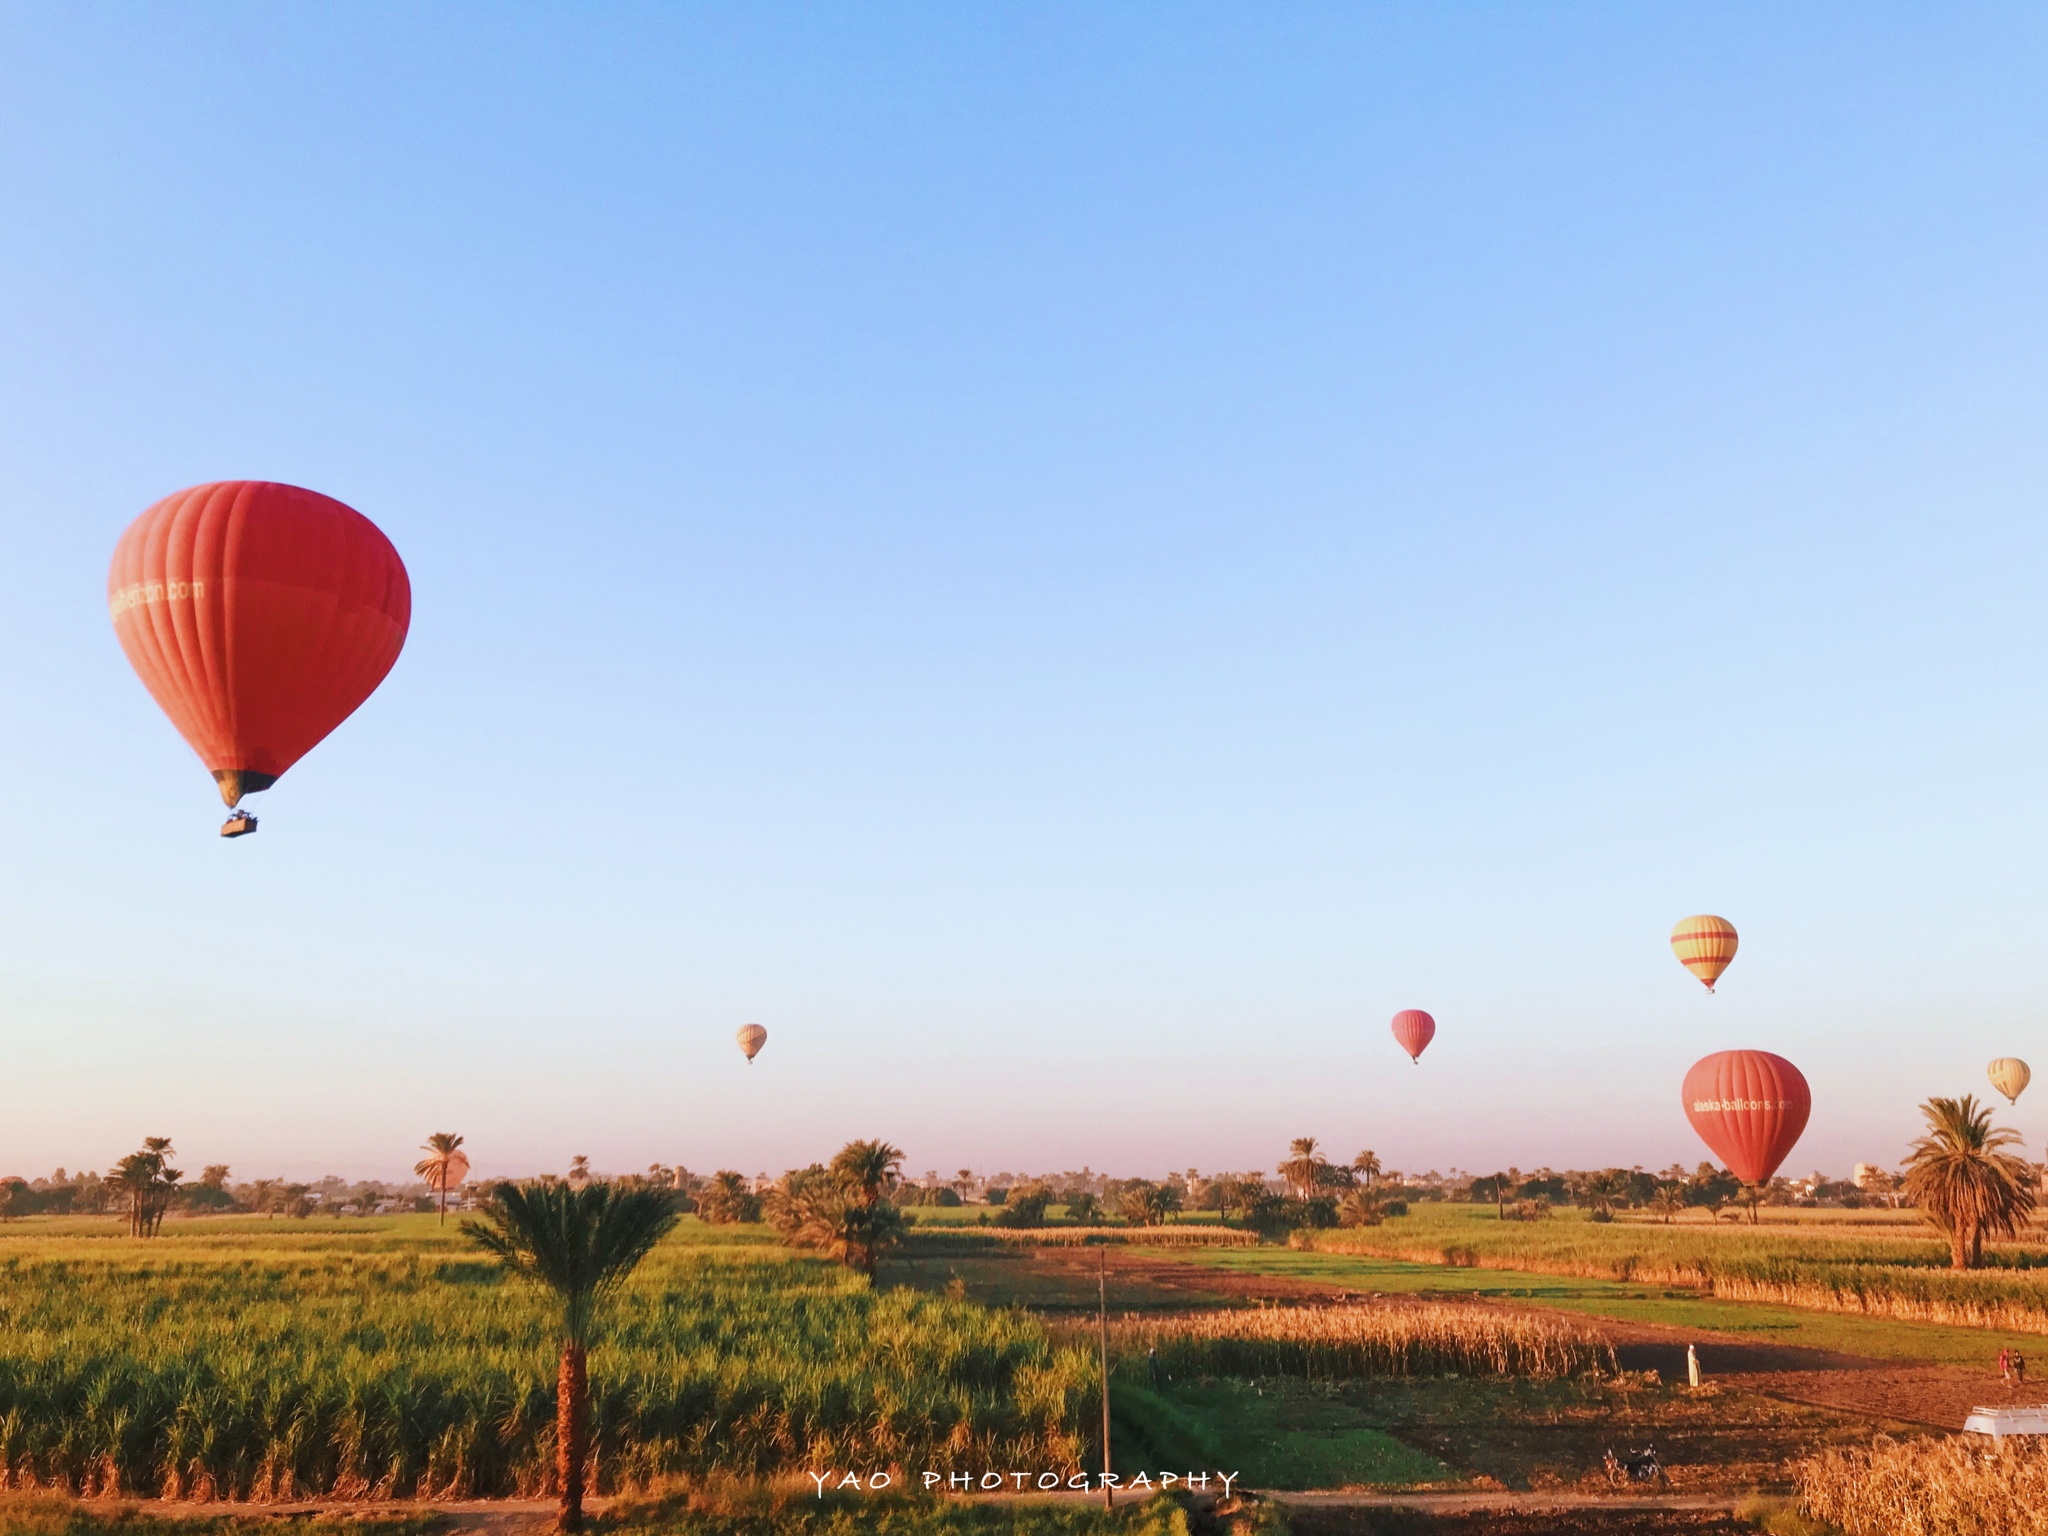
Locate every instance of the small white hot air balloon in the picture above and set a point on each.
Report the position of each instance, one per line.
(2009, 1075)
(751, 1038)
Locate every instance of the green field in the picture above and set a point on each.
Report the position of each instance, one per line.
(1868, 1268)
(258, 1358)
(753, 1512)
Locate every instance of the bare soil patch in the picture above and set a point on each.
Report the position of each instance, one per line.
(1579, 1521)
(1932, 1396)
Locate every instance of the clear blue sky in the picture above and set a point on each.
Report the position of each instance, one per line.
(1068, 560)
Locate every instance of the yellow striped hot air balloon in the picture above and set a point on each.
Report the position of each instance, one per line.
(751, 1038)
(1704, 945)
(2009, 1075)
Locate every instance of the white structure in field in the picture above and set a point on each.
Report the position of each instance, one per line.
(2000, 1422)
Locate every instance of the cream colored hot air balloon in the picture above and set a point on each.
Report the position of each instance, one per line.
(1704, 945)
(751, 1038)
(2009, 1075)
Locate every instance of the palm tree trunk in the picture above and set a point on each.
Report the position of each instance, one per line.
(444, 1202)
(572, 1419)
(1959, 1248)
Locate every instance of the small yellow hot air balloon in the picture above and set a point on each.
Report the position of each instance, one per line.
(1704, 945)
(2009, 1075)
(751, 1038)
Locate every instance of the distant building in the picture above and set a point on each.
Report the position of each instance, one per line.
(1871, 1177)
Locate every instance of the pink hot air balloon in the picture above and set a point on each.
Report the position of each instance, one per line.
(1414, 1029)
(1750, 1107)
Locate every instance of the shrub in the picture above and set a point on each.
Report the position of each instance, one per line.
(1025, 1207)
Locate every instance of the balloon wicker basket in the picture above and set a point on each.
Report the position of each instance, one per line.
(241, 824)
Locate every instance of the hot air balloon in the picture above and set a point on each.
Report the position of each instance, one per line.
(2009, 1075)
(751, 1038)
(259, 616)
(1414, 1029)
(1749, 1107)
(1704, 946)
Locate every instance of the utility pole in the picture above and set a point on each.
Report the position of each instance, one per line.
(1102, 1338)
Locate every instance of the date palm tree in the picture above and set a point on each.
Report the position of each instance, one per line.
(581, 1244)
(868, 1168)
(440, 1149)
(1964, 1182)
(1304, 1167)
(149, 1181)
(1501, 1181)
(1668, 1201)
(1367, 1166)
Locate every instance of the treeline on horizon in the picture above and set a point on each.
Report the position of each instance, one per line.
(1306, 1189)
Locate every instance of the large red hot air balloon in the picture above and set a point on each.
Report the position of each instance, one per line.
(259, 616)
(1414, 1029)
(1749, 1107)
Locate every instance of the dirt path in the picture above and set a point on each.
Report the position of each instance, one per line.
(1497, 1499)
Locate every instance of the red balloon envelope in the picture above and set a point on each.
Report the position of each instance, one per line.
(259, 616)
(1414, 1029)
(1749, 1107)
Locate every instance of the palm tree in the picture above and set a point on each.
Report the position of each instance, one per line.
(1600, 1192)
(1367, 1166)
(1668, 1201)
(844, 1209)
(579, 1170)
(149, 1182)
(868, 1167)
(1963, 1181)
(440, 1148)
(580, 1244)
(1501, 1181)
(725, 1198)
(1304, 1167)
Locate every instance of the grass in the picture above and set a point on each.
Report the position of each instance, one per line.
(1275, 1434)
(49, 1514)
(717, 1512)
(1892, 1268)
(273, 1360)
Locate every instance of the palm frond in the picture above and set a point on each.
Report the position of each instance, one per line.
(579, 1243)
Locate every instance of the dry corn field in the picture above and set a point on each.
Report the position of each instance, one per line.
(1367, 1339)
(1086, 1237)
(1958, 1487)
